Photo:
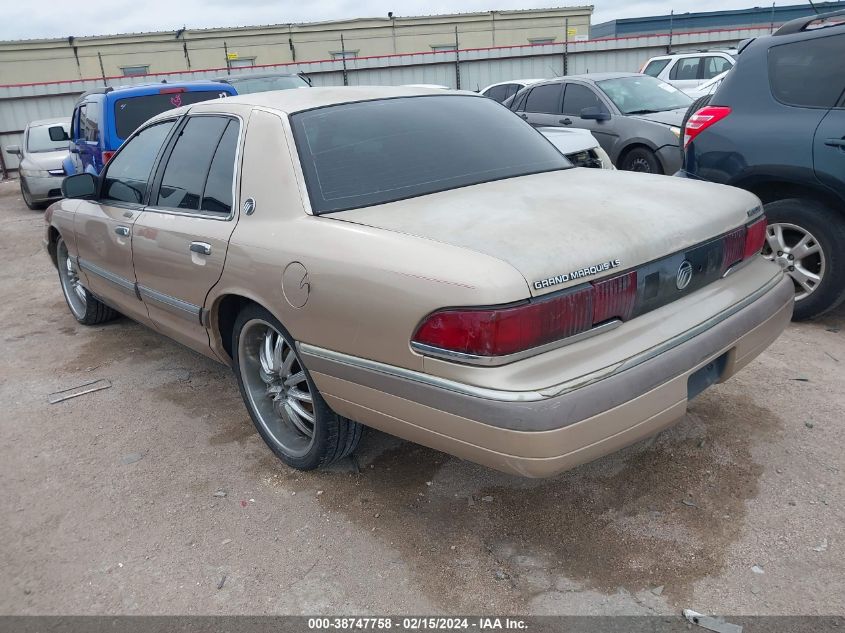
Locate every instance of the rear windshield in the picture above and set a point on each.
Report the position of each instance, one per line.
(361, 154)
(131, 112)
(249, 85)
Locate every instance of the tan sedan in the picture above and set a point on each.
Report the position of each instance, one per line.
(424, 263)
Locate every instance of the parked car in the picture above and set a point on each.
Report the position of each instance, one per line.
(579, 146)
(635, 118)
(405, 269)
(44, 147)
(102, 119)
(687, 71)
(504, 90)
(248, 83)
(708, 87)
(776, 127)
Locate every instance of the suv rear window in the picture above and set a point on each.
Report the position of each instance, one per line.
(131, 112)
(373, 152)
(806, 74)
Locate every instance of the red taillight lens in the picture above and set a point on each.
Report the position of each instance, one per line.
(755, 237)
(107, 157)
(703, 119)
(614, 298)
(503, 331)
(169, 91)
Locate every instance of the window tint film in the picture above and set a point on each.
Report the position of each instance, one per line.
(544, 99)
(686, 69)
(131, 112)
(89, 121)
(361, 154)
(128, 172)
(497, 93)
(715, 66)
(187, 168)
(578, 97)
(217, 197)
(655, 67)
(805, 73)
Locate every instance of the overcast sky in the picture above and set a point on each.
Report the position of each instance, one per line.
(49, 18)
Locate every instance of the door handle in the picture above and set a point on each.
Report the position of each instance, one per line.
(122, 231)
(524, 116)
(201, 247)
(566, 121)
(836, 142)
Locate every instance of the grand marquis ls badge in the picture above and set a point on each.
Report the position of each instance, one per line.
(576, 274)
(684, 276)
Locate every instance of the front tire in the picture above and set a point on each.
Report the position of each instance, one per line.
(287, 409)
(640, 159)
(27, 197)
(84, 306)
(807, 239)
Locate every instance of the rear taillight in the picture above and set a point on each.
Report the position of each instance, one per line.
(107, 157)
(512, 329)
(703, 119)
(755, 237)
(743, 243)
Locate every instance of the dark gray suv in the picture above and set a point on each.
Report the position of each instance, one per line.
(776, 127)
(635, 118)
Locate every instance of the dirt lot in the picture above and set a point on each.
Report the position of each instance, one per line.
(109, 501)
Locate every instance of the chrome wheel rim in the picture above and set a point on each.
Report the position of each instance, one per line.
(799, 254)
(275, 384)
(75, 293)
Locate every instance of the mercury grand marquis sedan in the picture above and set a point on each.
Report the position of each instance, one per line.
(424, 263)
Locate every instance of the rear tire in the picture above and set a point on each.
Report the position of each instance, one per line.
(287, 409)
(811, 238)
(84, 306)
(640, 159)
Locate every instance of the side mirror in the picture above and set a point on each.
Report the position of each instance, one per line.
(593, 113)
(82, 186)
(14, 149)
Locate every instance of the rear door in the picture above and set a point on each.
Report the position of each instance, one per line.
(686, 73)
(179, 243)
(542, 106)
(829, 141)
(104, 226)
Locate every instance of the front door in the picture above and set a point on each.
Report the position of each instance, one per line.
(829, 149)
(576, 98)
(104, 226)
(180, 241)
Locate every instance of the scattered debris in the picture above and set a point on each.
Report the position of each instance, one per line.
(222, 582)
(132, 458)
(800, 379)
(376, 515)
(689, 502)
(453, 548)
(244, 503)
(757, 569)
(252, 500)
(219, 493)
(226, 541)
(809, 425)
(79, 390)
(833, 329)
(821, 547)
(792, 503)
(711, 623)
(500, 575)
(657, 591)
(293, 494)
(319, 492)
(428, 483)
(755, 589)
(832, 356)
(487, 498)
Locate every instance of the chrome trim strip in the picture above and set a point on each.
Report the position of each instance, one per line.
(121, 282)
(179, 307)
(548, 392)
(497, 361)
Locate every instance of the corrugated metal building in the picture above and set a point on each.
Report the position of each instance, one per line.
(709, 20)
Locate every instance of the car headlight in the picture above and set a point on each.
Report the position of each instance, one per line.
(35, 173)
(676, 131)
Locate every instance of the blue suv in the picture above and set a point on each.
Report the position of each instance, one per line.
(103, 119)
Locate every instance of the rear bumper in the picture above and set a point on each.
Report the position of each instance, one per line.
(530, 434)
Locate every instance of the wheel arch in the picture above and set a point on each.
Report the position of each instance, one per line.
(772, 190)
(222, 315)
(631, 145)
(53, 236)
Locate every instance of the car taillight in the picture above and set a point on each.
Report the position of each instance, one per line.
(755, 237)
(107, 157)
(512, 329)
(703, 119)
(743, 243)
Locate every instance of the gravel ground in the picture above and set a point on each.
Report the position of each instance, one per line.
(157, 496)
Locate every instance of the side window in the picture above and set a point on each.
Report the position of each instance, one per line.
(497, 93)
(89, 121)
(512, 90)
(217, 197)
(518, 104)
(655, 67)
(578, 97)
(126, 175)
(686, 68)
(187, 170)
(544, 99)
(803, 73)
(74, 125)
(715, 66)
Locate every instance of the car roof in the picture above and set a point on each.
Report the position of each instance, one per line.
(591, 77)
(290, 101)
(139, 90)
(56, 121)
(524, 82)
